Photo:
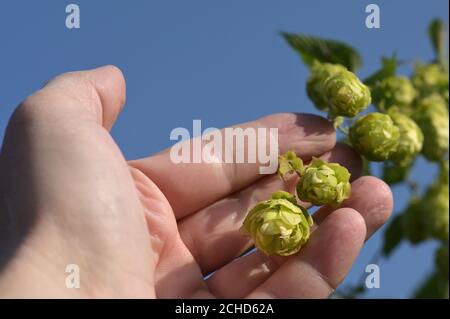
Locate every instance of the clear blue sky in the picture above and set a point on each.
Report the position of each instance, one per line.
(219, 61)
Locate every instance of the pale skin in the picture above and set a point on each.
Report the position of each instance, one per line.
(149, 228)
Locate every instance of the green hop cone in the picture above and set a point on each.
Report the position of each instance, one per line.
(441, 259)
(437, 207)
(410, 141)
(429, 79)
(346, 94)
(320, 72)
(393, 91)
(431, 115)
(324, 183)
(375, 136)
(415, 221)
(278, 226)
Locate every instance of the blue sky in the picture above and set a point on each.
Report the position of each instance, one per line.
(219, 61)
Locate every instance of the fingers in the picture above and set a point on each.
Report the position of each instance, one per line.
(371, 197)
(213, 235)
(323, 263)
(347, 157)
(235, 279)
(190, 187)
(313, 273)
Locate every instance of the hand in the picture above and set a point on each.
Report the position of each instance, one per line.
(150, 228)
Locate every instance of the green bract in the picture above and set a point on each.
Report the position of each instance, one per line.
(437, 205)
(290, 163)
(394, 90)
(324, 183)
(279, 225)
(346, 94)
(410, 141)
(320, 72)
(375, 136)
(429, 79)
(431, 115)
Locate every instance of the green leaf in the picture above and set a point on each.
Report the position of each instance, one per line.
(323, 50)
(433, 287)
(393, 235)
(388, 68)
(436, 32)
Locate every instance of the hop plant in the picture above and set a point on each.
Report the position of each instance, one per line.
(347, 96)
(431, 115)
(429, 79)
(279, 225)
(443, 173)
(324, 183)
(320, 72)
(393, 91)
(441, 259)
(437, 205)
(375, 136)
(410, 140)
(414, 221)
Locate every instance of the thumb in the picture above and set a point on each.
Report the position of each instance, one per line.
(94, 95)
(66, 192)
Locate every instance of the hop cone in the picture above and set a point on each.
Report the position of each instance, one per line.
(346, 94)
(375, 136)
(431, 115)
(410, 141)
(279, 225)
(429, 79)
(394, 90)
(320, 72)
(324, 183)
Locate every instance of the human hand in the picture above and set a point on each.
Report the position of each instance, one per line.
(150, 228)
